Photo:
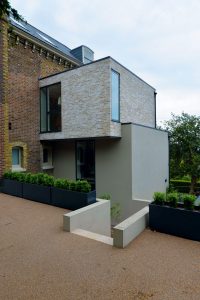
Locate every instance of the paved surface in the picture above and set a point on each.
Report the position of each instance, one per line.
(40, 261)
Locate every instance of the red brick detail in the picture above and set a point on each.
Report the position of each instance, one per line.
(25, 67)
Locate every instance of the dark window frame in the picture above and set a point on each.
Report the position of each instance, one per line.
(48, 112)
(116, 120)
(94, 143)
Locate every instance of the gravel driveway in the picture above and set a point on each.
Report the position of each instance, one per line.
(38, 260)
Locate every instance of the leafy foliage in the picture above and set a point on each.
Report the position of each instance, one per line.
(47, 180)
(159, 198)
(5, 8)
(172, 199)
(188, 201)
(105, 196)
(184, 147)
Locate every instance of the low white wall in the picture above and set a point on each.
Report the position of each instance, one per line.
(129, 229)
(94, 217)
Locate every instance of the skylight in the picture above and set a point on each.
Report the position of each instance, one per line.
(45, 38)
(17, 22)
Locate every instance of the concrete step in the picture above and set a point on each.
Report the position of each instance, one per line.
(94, 236)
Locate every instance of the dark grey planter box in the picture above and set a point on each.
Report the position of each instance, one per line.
(12, 187)
(71, 200)
(176, 221)
(36, 192)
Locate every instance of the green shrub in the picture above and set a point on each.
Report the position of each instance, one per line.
(105, 196)
(62, 183)
(7, 175)
(27, 178)
(14, 176)
(172, 199)
(159, 198)
(79, 186)
(72, 185)
(115, 211)
(85, 186)
(41, 178)
(33, 179)
(188, 201)
(47, 180)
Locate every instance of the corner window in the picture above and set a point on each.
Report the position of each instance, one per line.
(17, 158)
(115, 104)
(50, 108)
(47, 158)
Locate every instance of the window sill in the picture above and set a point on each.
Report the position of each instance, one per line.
(115, 121)
(47, 167)
(18, 169)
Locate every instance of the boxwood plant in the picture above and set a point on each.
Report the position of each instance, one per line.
(188, 201)
(159, 198)
(175, 199)
(47, 180)
(172, 199)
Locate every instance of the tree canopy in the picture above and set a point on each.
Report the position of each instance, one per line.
(6, 9)
(184, 133)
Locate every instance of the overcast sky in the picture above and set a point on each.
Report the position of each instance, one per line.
(159, 40)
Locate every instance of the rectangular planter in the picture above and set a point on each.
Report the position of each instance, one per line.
(71, 200)
(37, 193)
(176, 221)
(12, 187)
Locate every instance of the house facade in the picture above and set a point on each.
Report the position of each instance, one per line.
(65, 114)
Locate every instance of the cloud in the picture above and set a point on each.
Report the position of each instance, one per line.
(157, 40)
(177, 101)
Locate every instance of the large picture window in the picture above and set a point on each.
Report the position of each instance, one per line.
(50, 108)
(115, 105)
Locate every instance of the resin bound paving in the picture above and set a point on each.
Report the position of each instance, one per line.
(38, 260)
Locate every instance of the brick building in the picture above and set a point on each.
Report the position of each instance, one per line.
(63, 113)
(26, 54)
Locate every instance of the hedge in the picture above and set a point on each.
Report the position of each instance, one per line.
(183, 186)
(47, 180)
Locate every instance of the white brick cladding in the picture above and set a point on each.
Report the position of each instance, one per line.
(86, 101)
(137, 104)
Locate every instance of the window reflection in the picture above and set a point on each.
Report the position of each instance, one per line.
(115, 96)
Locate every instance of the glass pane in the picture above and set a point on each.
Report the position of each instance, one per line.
(45, 156)
(85, 160)
(115, 96)
(43, 109)
(54, 97)
(15, 157)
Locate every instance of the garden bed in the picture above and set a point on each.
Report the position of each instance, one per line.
(48, 190)
(71, 200)
(12, 187)
(176, 221)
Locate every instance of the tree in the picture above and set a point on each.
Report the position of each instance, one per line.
(6, 9)
(184, 132)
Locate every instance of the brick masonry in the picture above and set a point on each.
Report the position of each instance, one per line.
(86, 101)
(20, 69)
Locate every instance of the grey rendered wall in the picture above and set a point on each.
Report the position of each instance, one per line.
(64, 160)
(94, 217)
(136, 98)
(113, 169)
(150, 163)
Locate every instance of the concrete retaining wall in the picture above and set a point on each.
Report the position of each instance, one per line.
(129, 229)
(94, 218)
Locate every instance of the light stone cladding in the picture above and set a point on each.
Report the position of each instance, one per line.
(137, 100)
(86, 101)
